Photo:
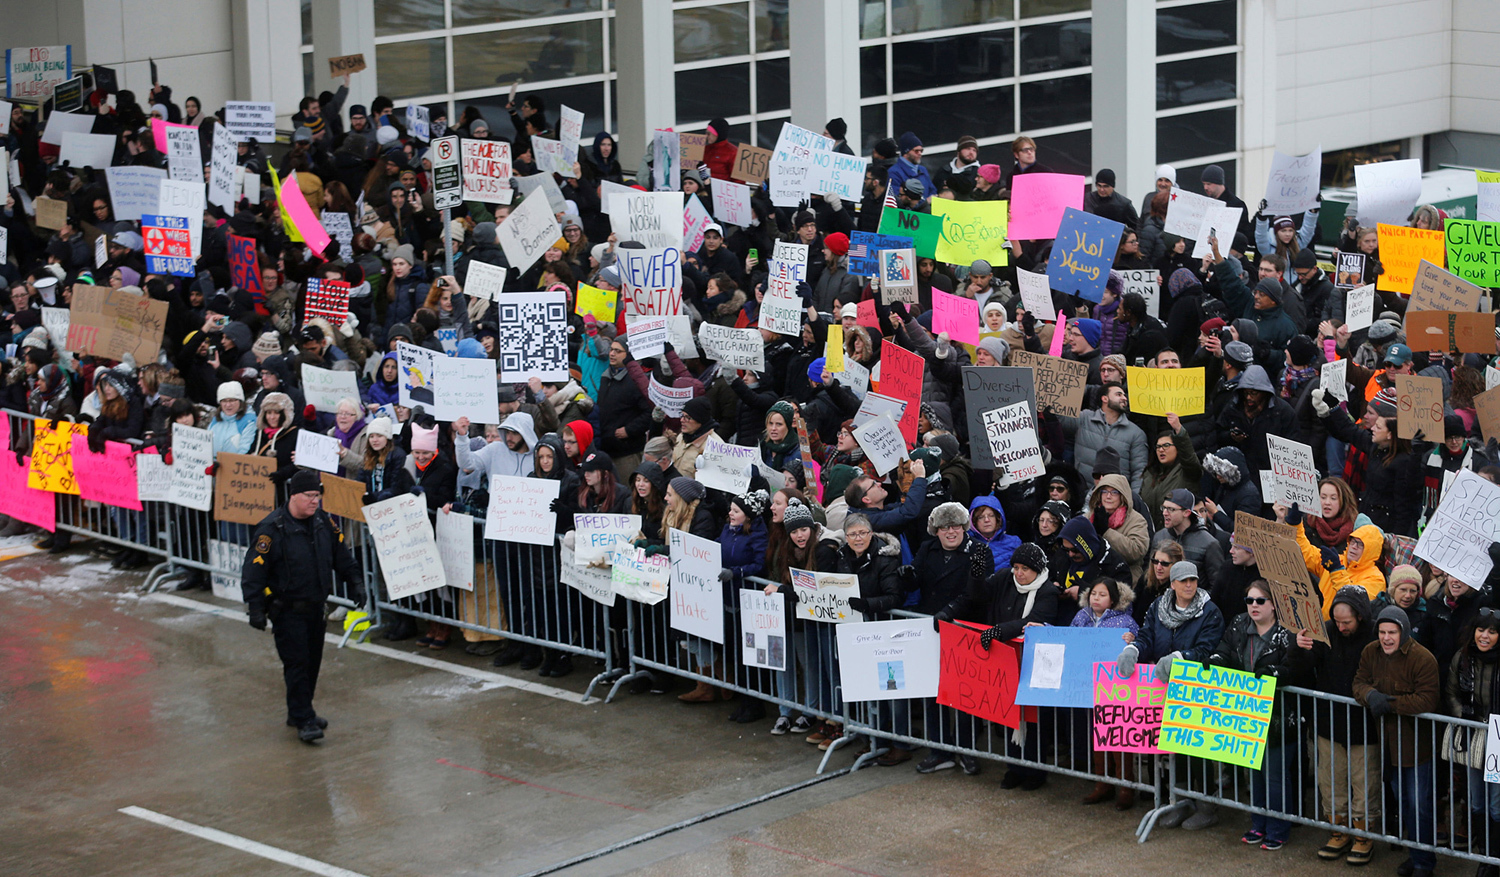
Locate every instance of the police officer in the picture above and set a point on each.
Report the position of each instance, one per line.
(293, 556)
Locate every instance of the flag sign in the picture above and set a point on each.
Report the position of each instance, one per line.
(169, 245)
(328, 299)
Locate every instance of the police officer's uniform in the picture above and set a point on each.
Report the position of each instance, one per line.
(287, 575)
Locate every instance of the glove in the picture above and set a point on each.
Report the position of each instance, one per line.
(859, 604)
(96, 438)
(1028, 323)
(211, 469)
(1331, 559)
(1419, 436)
(726, 576)
(943, 347)
(1320, 406)
(1164, 666)
(21, 458)
(988, 637)
(1378, 703)
(981, 563)
(788, 594)
(1494, 551)
(899, 309)
(1101, 520)
(653, 550)
(1125, 664)
(908, 573)
(416, 490)
(555, 506)
(257, 616)
(166, 456)
(1294, 514)
(833, 201)
(310, 413)
(805, 292)
(1263, 205)
(940, 617)
(367, 498)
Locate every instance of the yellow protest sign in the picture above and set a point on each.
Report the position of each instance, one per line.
(599, 302)
(972, 230)
(1160, 390)
(833, 353)
(52, 456)
(1401, 253)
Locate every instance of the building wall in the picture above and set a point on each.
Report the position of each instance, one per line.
(1476, 67)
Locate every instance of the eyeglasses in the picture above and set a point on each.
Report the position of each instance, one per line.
(1161, 563)
(1164, 446)
(1256, 601)
(1056, 488)
(1170, 508)
(1108, 490)
(857, 534)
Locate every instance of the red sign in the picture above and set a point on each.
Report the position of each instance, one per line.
(978, 682)
(901, 377)
(168, 241)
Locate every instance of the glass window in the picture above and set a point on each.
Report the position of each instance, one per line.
(1053, 102)
(1056, 46)
(412, 68)
(915, 16)
(773, 84)
(406, 16)
(771, 25)
(587, 99)
(712, 32)
(872, 71)
(307, 73)
(945, 118)
(766, 133)
(307, 37)
(871, 19)
(1191, 178)
(1199, 81)
(469, 12)
(1186, 136)
(1189, 28)
(872, 126)
(1034, 8)
(530, 54)
(713, 92)
(953, 60)
(1070, 153)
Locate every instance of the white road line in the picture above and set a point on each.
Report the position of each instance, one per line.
(246, 845)
(497, 679)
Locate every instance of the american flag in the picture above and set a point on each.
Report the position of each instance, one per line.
(858, 248)
(890, 200)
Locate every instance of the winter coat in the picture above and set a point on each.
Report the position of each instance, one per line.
(439, 481)
(685, 453)
(1276, 418)
(1242, 648)
(1276, 328)
(1117, 617)
(1002, 544)
(1094, 433)
(894, 520)
(996, 602)
(1196, 638)
(1116, 207)
(1200, 547)
(1115, 330)
(1365, 573)
(943, 576)
(1241, 496)
(234, 436)
(1159, 481)
(1331, 669)
(835, 284)
(879, 583)
(1409, 678)
(388, 479)
(621, 405)
(743, 553)
(1130, 540)
(1393, 484)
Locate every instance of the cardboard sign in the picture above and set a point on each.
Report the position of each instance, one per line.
(977, 681)
(1447, 331)
(1083, 253)
(1059, 382)
(691, 146)
(1487, 405)
(343, 65)
(1458, 537)
(51, 213)
(486, 171)
(405, 545)
(454, 535)
(1127, 711)
(1473, 250)
(763, 622)
(344, 498)
(1217, 713)
(824, 596)
(987, 388)
(697, 593)
(52, 456)
(1419, 406)
(109, 322)
(1275, 546)
(243, 492)
(1057, 664)
(1299, 608)
(521, 510)
(752, 164)
(1435, 289)
(1402, 251)
(1038, 201)
(1349, 271)
(1387, 191)
(956, 315)
(1161, 390)
(1294, 181)
(888, 660)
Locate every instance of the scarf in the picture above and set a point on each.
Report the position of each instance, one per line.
(47, 387)
(1171, 617)
(1295, 377)
(1117, 518)
(347, 438)
(1030, 590)
(1330, 534)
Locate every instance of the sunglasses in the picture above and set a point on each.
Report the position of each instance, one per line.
(1256, 601)
(1161, 563)
(1486, 612)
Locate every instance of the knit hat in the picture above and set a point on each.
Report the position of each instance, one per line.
(796, 516)
(948, 444)
(1239, 354)
(1213, 174)
(231, 390)
(1105, 176)
(486, 233)
(907, 142)
(1305, 258)
(1183, 569)
(993, 306)
(753, 503)
(981, 267)
(996, 347)
(1091, 330)
(685, 487)
(1404, 573)
(1384, 403)
(803, 217)
(815, 369)
(424, 439)
(597, 461)
(837, 128)
(1115, 359)
(1183, 498)
(386, 135)
(1283, 222)
(302, 134)
(836, 479)
(838, 242)
(990, 172)
(1453, 426)
(303, 481)
(949, 514)
(406, 253)
(967, 140)
(784, 408)
(699, 409)
(1302, 349)
(914, 187)
(1057, 508)
(1381, 330)
(1397, 616)
(1166, 172)
(379, 426)
(1182, 280)
(1271, 288)
(1031, 556)
(1211, 325)
(1106, 462)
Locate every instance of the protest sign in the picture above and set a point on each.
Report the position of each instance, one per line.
(793, 255)
(864, 248)
(652, 280)
(638, 577)
(1294, 183)
(1147, 284)
(1185, 213)
(1057, 664)
(647, 336)
(419, 122)
(343, 65)
(824, 596)
(294, 204)
(1419, 406)
(1447, 331)
(185, 199)
(484, 280)
(417, 367)
(541, 181)
(5, 108)
(1333, 377)
(1466, 522)
(1219, 224)
(168, 245)
(1492, 750)
(1488, 199)
(669, 399)
(520, 510)
(317, 451)
(856, 377)
(725, 467)
(1161, 390)
(1387, 192)
(1349, 271)
(225, 561)
(153, 478)
(978, 681)
(529, 230)
(842, 175)
(735, 348)
(344, 497)
(1059, 382)
(1036, 294)
(1217, 713)
(405, 544)
(68, 96)
(763, 622)
(485, 170)
(987, 388)
(972, 230)
(882, 443)
(56, 321)
(1402, 250)
(52, 456)
(533, 338)
(1011, 433)
(875, 404)
(1127, 711)
(1082, 254)
(781, 314)
(901, 377)
(791, 164)
(732, 203)
(595, 302)
(695, 222)
(192, 455)
(134, 190)
(108, 477)
(246, 120)
(323, 388)
(455, 545)
(1359, 308)
(111, 323)
(549, 156)
(650, 218)
(751, 164)
(1435, 289)
(86, 150)
(591, 581)
(51, 213)
(101, 248)
(60, 125)
(20, 500)
(1299, 608)
(327, 300)
(1276, 553)
(595, 535)
(866, 316)
(898, 282)
(691, 147)
(666, 160)
(221, 177)
(888, 660)
(1294, 471)
(1473, 250)
(956, 315)
(1037, 202)
(924, 230)
(243, 492)
(697, 593)
(32, 72)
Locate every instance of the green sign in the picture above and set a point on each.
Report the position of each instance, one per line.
(1474, 250)
(1217, 713)
(924, 229)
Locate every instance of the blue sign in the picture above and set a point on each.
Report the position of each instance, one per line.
(1057, 663)
(865, 247)
(1082, 253)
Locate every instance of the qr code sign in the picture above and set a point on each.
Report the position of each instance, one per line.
(533, 336)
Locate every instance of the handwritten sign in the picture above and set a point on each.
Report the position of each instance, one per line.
(1219, 224)
(977, 681)
(752, 164)
(21, 501)
(134, 191)
(956, 315)
(1446, 331)
(1276, 552)
(638, 577)
(595, 535)
(763, 626)
(404, 543)
(1146, 283)
(882, 443)
(108, 477)
(520, 510)
(344, 497)
(725, 467)
(1038, 201)
(1083, 252)
(1217, 713)
(691, 147)
(1402, 252)
(1435, 289)
(924, 230)
(52, 456)
(1294, 182)
(1333, 377)
(1059, 382)
(153, 478)
(987, 388)
(864, 248)
(1161, 390)
(343, 65)
(1419, 406)
(1359, 308)
(598, 303)
(1294, 471)
(972, 230)
(455, 545)
(591, 581)
(697, 593)
(1036, 294)
(323, 388)
(192, 455)
(1127, 711)
(735, 348)
(1185, 212)
(486, 170)
(316, 451)
(824, 596)
(653, 280)
(1458, 537)
(888, 660)
(243, 492)
(1011, 432)
(1387, 191)
(1473, 250)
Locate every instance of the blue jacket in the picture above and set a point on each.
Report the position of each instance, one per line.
(743, 554)
(1196, 639)
(895, 520)
(233, 436)
(904, 170)
(1002, 545)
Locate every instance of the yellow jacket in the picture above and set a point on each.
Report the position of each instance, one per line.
(1363, 572)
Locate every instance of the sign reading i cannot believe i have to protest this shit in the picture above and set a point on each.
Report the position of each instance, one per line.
(1217, 713)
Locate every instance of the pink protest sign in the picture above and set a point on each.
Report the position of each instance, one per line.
(867, 317)
(159, 133)
(1058, 333)
(956, 315)
(4, 431)
(1037, 202)
(302, 216)
(1127, 711)
(901, 377)
(24, 503)
(108, 477)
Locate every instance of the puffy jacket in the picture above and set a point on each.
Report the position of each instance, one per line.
(997, 602)
(1200, 547)
(1002, 544)
(743, 553)
(1364, 572)
(232, 436)
(1094, 433)
(879, 583)
(1196, 638)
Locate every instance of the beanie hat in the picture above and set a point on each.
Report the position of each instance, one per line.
(1271, 288)
(267, 345)
(1115, 359)
(967, 140)
(1283, 222)
(836, 479)
(1384, 403)
(1091, 330)
(698, 409)
(1105, 176)
(796, 516)
(386, 135)
(1453, 426)
(990, 172)
(1056, 507)
(1405, 573)
(996, 347)
(1305, 258)
(907, 142)
(1212, 325)
(815, 370)
(1302, 349)
(687, 488)
(1182, 280)
(1380, 330)
(948, 444)
(1183, 570)
(406, 253)
(949, 514)
(1166, 172)
(1106, 462)
(838, 242)
(303, 481)
(1031, 556)
(424, 439)
(753, 503)
(837, 128)
(231, 390)
(598, 461)
(380, 426)
(1239, 353)
(486, 233)
(1213, 174)
(803, 217)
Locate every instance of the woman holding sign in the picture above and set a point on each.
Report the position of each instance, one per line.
(1473, 693)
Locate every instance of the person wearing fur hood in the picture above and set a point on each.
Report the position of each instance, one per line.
(275, 436)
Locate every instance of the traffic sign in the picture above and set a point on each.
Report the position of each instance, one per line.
(447, 179)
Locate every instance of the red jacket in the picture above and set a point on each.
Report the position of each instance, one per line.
(720, 159)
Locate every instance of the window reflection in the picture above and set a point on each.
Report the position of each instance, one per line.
(711, 32)
(1206, 133)
(1199, 81)
(945, 61)
(914, 16)
(1053, 102)
(409, 69)
(406, 16)
(945, 118)
(1190, 28)
(1058, 46)
(714, 91)
(529, 54)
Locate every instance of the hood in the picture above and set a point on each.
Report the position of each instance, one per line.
(382, 381)
(1374, 542)
(1080, 532)
(1398, 615)
(1127, 597)
(1228, 464)
(239, 333)
(280, 401)
(1358, 601)
(278, 366)
(584, 433)
(1119, 483)
(554, 441)
(652, 473)
(1248, 331)
(520, 422)
(986, 502)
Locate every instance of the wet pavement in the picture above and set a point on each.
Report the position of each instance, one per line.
(110, 699)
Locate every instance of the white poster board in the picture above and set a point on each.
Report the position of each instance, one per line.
(192, 455)
(1334, 377)
(650, 218)
(732, 202)
(888, 660)
(465, 388)
(455, 542)
(697, 593)
(824, 596)
(591, 581)
(316, 451)
(520, 510)
(1387, 191)
(725, 467)
(595, 535)
(635, 576)
(1293, 184)
(1359, 307)
(763, 629)
(153, 478)
(529, 230)
(882, 443)
(404, 543)
(1457, 538)
(533, 338)
(323, 387)
(1293, 470)
(1011, 431)
(415, 378)
(86, 150)
(134, 191)
(1185, 212)
(1036, 294)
